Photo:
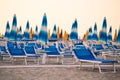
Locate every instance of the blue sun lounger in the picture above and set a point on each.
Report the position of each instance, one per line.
(31, 53)
(52, 51)
(15, 52)
(85, 55)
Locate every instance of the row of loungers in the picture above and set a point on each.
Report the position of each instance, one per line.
(80, 52)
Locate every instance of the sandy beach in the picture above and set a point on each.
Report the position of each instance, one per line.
(55, 74)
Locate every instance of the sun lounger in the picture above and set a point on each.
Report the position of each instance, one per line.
(17, 53)
(52, 51)
(85, 55)
(31, 53)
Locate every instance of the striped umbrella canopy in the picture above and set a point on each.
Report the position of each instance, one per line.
(103, 34)
(109, 38)
(35, 36)
(7, 33)
(95, 36)
(13, 33)
(43, 35)
(90, 34)
(27, 33)
(118, 37)
(54, 34)
(19, 35)
(74, 33)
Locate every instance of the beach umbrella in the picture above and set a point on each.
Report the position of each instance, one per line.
(115, 36)
(35, 37)
(118, 37)
(43, 35)
(85, 35)
(58, 32)
(66, 36)
(61, 34)
(54, 34)
(13, 33)
(7, 33)
(19, 35)
(27, 33)
(95, 36)
(109, 38)
(31, 33)
(48, 33)
(74, 33)
(103, 34)
(90, 34)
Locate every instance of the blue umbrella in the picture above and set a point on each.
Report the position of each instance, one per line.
(110, 35)
(27, 33)
(54, 35)
(95, 36)
(13, 34)
(103, 34)
(118, 37)
(43, 35)
(7, 33)
(74, 33)
(19, 35)
(90, 34)
(35, 37)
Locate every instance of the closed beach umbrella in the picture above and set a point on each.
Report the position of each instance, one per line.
(103, 34)
(19, 35)
(95, 36)
(54, 34)
(118, 37)
(109, 39)
(7, 33)
(43, 35)
(27, 33)
(90, 35)
(74, 33)
(13, 33)
(35, 37)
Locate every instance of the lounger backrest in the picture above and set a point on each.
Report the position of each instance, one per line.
(80, 47)
(52, 51)
(98, 46)
(83, 54)
(2, 48)
(16, 52)
(31, 44)
(29, 50)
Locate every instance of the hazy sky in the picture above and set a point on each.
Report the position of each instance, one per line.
(61, 12)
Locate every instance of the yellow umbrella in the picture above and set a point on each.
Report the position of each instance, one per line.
(115, 36)
(48, 33)
(86, 35)
(31, 33)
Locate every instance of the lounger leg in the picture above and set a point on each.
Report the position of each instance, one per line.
(25, 61)
(80, 65)
(38, 60)
(113, 69)
(93, 66)
(12, 60)
(57, 59)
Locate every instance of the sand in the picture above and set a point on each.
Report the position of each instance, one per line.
(55, 74)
